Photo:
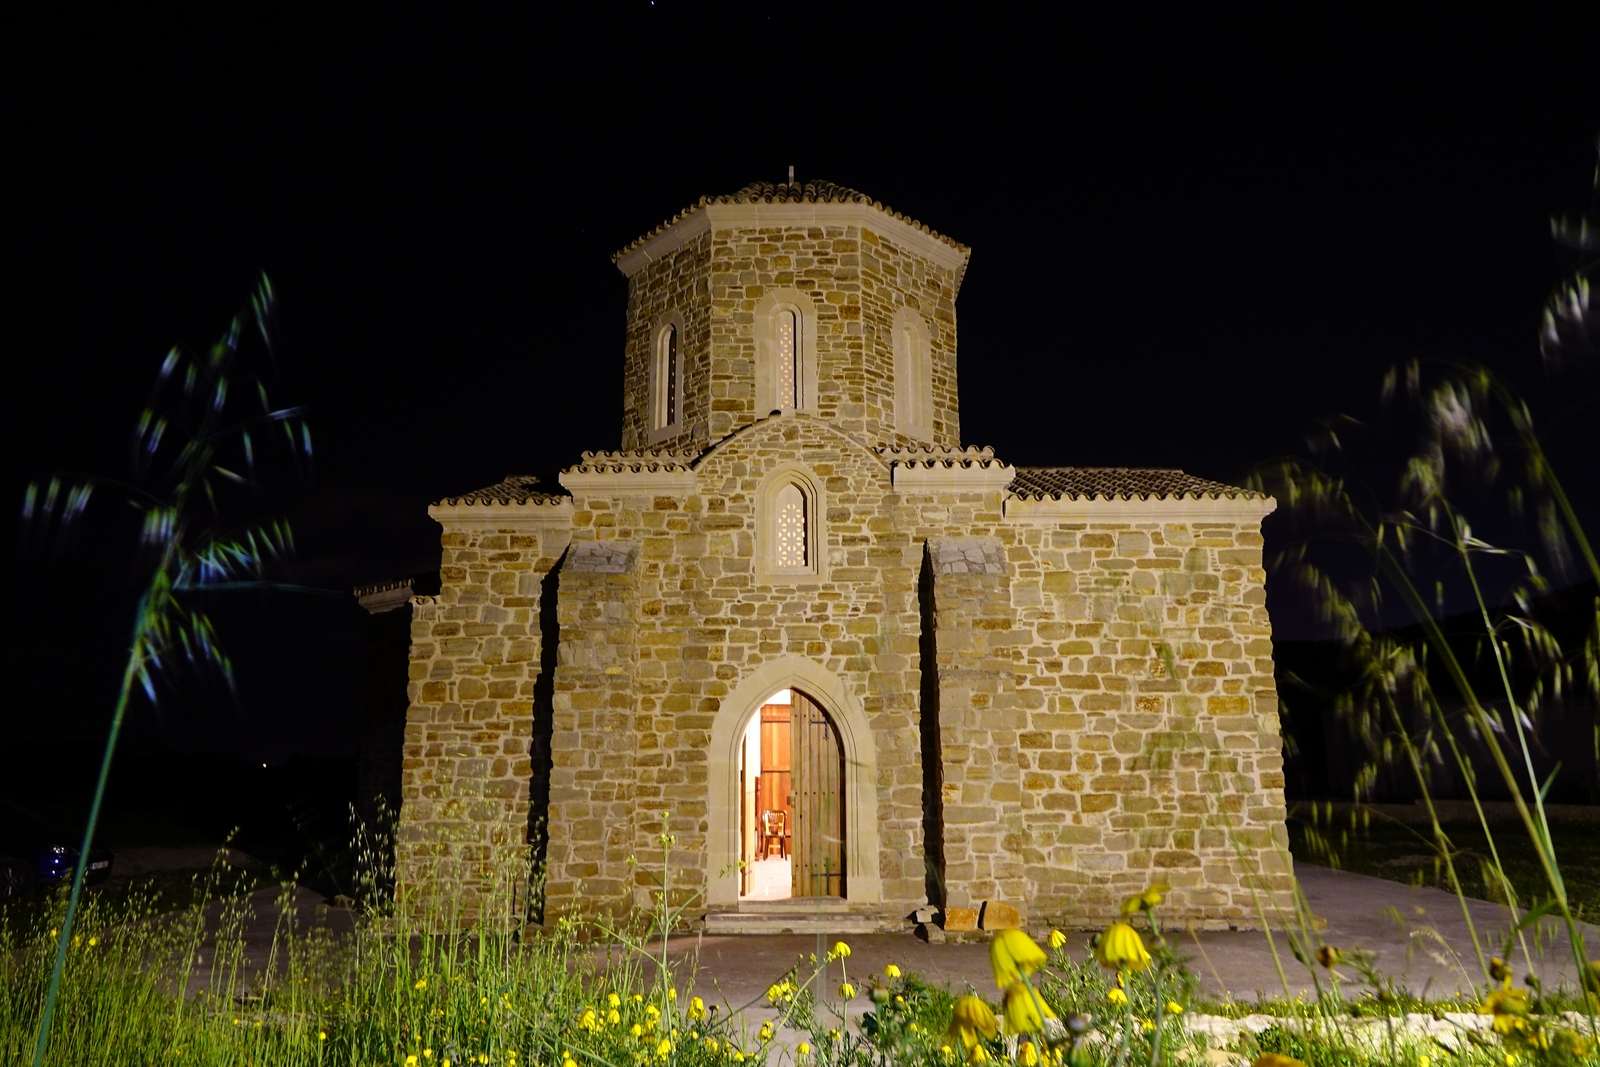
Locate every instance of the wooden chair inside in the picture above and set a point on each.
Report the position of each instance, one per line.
(774, 832)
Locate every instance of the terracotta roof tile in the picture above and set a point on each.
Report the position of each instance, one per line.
(512, 489)
(1119, 483)
(812, 192)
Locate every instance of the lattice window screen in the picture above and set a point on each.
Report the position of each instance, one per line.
(788, 360)
(793, 551)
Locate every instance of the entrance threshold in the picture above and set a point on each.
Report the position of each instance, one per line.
(795, 915)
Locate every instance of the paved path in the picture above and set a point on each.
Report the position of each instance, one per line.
(1418, 935)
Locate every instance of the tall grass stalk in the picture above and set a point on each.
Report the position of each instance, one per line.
(189, 450)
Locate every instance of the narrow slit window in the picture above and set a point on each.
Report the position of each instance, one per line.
(793, 535)
(788, 359)
(667, 378)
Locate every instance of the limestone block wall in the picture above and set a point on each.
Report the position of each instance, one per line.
(895, 276)
(1151, 748)
(594, 743)
(476, 675)
(675, 283)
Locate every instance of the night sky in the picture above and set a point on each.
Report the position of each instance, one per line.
(1192, 237)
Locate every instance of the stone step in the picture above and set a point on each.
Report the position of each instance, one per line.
(792, 906)
(739, 922)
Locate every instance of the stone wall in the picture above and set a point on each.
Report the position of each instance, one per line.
(677, 282)
(476, 676)
(1110, 717)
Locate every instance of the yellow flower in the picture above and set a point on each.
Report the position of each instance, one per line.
(979, 1054)
(840, 951)
(427, 1053)
(949, 1053)
(1509, 1008)
(1272, 1059)
(637, 1031)
(1027, 1054)
(1117, 996)
(93, 941)
(637, 998)
(833, 1035)
(766, 1032)
(322, 1035)
(613, 1017)
(569, 1061)
(651, 1010)
(1013, 955)
(613, 1001)
(672, 992)
(663, 1049)
(411, 1061)
(588, 1021)
(1121, 948)
(891, 971)
(1174, 1008)
(847, 990)
(971, 1017)
(422, 983)
(711, 1044)
(804, 1048)
(1057, 939)
(1144, 899)
(1023, 1006)
(1328, 956)
(697, 1008)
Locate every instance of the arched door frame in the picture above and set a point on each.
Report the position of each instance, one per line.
(863, 884)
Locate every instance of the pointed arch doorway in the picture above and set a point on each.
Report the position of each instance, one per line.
(792, 815)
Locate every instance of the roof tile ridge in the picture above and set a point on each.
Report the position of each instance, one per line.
(634, 461)
(933, 457)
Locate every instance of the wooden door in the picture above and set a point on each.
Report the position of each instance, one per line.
(817, 801)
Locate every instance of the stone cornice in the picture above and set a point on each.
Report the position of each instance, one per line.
(663, 473)
(1150, 509)
(930, 470)
(548, 512)
(719, 216)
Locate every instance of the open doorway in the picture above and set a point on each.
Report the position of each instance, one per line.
(791, 786)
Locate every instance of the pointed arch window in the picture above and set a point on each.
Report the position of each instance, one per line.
(790, 535)
(793, 548)
(788, 360)
(665, 407)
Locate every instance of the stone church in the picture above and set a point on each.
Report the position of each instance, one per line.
(865, 672)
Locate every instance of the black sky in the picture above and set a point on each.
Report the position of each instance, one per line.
(1192, 236)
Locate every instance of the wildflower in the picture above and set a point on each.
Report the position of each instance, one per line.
(847, 990)
(1272, 1059)
(637, 1031)
(1057, 939)
(949, 1053)
(833, 1035)
(1510, 1010)
(427, 1053)
(569, 1061)
(1147, 1024)
(738, 1057)
(613, 1017)
(766, 1032)
(891, 971)
(1027, 1054)
(322, 1035)
(422, 983)
(803, 1049)
(587, 1020)
(638, 998)
(1174, 1008)
(651, 1010)
(1328, 956)
(697, 1008)
(672, 993)
(971, 1017)
(613, 1001)
(1023, 1008)
(711, 1044)
(1013, 955)
(663, 1049)
(1121, 948)
(979, 1054)
(411, 1061)
(1500, 972)
(840, 950)
(93, 941)
(1117, 996)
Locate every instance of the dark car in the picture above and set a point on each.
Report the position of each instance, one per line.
(34, 853)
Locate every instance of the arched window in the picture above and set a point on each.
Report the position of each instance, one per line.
(785, 335)
(913, 376)
(665, 407)
(788, 361)
(790, 541)
(791, 526)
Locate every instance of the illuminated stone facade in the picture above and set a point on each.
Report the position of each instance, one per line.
(1051, 685)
